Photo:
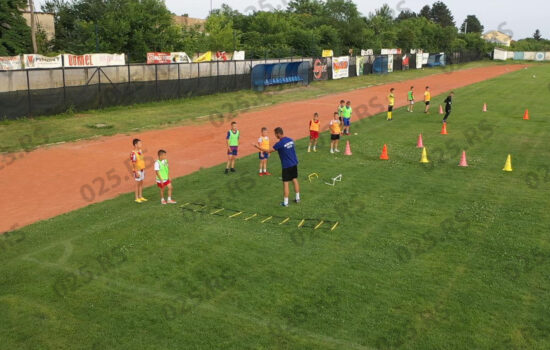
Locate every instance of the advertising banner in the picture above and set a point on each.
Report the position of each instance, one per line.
(94, 60)
(390, 63)
(369, 52)
(320, 69)
(205, 57)
(539, 56)
(406, 61)
(39, 61)
(10, 63)
(167, 57)
(391, 52)
(327, 53)
(359, 65)
(340, 67)
(238, 56)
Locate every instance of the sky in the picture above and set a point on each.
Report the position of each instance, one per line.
(520, 18)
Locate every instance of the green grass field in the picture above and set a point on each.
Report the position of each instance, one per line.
(424, 257)
(30, 133)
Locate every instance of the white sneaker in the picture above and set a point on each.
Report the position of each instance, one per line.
(162, 201)
(337, 150)
(332, 151)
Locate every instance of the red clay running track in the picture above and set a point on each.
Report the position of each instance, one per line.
(47, 182)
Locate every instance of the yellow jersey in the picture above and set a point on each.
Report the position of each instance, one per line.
(137, 158)
(427, 96)
(264, 142)
(391, 99)
(314, 125)
(335, 127)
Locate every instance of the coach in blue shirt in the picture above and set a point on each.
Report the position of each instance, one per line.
(289, 162)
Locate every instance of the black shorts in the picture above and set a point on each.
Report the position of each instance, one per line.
(335, 137)
(290, 174)
(427, 103)
(390, 108)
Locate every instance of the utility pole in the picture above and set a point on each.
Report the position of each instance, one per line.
(33, 27)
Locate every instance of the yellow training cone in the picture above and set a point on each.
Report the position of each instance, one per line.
(508, 165)
(424, 156)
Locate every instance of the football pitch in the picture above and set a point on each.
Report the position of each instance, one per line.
(397, 254)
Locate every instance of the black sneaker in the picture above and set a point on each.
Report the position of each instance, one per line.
(233, 170)
(226, 171)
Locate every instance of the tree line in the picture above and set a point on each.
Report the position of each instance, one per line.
(304, 28)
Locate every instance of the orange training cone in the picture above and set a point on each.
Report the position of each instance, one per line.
(384, 155)
(444, 129)
(420, 144)
(485, 107)
(348, 150)
(526, 115)
(440, 109)
(463, 161)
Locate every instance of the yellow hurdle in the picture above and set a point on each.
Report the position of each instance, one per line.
(184, 205)
(334, 227)
(284, 221)
(217, 211)
(319, 225)
(266, 220)
(250, 217)
(236, 214)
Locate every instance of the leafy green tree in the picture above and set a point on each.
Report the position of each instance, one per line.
(125, 26)
(15, 34)
(537, 35)
(471, 25)
(441, 14)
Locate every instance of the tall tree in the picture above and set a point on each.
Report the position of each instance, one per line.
(425, 12)
(441, 14)
(537, 35)
(15, 34)
(471, 25)
(406, 14)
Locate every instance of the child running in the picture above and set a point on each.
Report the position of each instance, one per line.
(314, 128)
(427, 99)
(263, 143)
(347, 117)
(163, 177)
(138, 166)
(410, 96)
(232, 147)
(335, 129)
(391, 103)
(448, 106)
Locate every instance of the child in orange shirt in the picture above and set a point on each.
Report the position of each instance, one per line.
(138, 166)
(314, 128)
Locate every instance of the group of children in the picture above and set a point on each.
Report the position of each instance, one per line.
(162, 172)
(339, 125)
(427, 101)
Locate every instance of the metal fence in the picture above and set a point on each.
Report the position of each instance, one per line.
(36, 92)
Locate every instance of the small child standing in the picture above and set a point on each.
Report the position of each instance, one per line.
(314, 128)
(163, 177)
(347, 117)
(138, 166)
(410, 97)
(427, 99)
(263, 143)
(341, 108)
(335, 129)
(232, 138)
(391, 103)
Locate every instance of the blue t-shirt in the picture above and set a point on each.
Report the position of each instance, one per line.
(287, 152)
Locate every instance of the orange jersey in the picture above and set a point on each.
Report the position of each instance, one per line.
(137, 159)
(314, 125)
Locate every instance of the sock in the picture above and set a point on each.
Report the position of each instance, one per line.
(285, 200)
(261, 171)
(169, 198)
(265, 170)
(162, 199)
(297, 196)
